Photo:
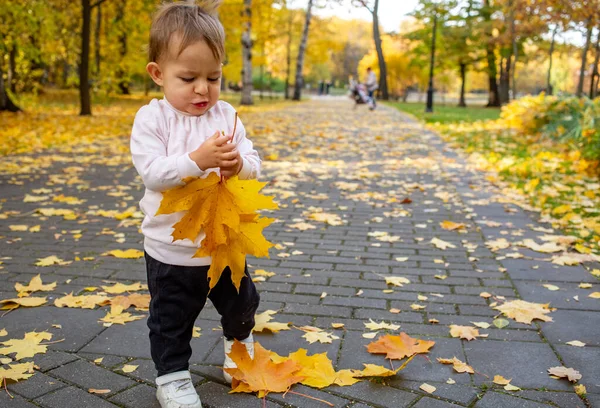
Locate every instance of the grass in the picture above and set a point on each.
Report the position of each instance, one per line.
(447, 114)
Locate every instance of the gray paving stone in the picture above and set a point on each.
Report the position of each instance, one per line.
(560, 399)
(71, 397)
(525, 363)
(87, 375)
(578, 358)
(304, 402)
(377, 394)
(426, 402)
(498, 400)
(561, 299)
(571, 325)
(52, 359)
(78, 326)
(37, 385)
(215, 395)
(455, 393)
(131, 340)
(139, 396)
(16, 402)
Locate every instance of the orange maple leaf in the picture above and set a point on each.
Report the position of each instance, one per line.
(398, 347)
(261, 374)
(225, 210)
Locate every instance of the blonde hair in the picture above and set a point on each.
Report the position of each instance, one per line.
(190, 23)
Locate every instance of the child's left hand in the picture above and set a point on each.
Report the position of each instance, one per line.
(234, 169)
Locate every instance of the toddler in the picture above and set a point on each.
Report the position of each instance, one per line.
(173, 138)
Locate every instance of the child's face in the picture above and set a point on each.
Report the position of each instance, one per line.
(191, 81)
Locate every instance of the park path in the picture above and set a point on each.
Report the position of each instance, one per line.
(384, 184)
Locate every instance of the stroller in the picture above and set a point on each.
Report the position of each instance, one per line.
(359, 93)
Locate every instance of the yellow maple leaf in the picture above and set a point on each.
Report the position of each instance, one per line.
(400, 346)
(28, 346)
(458, 365)
(35, 284)
(118, 288)
(525, 312)
(263, 322)
(317, 369)
(128, 254)
(25, 302)
(261, 374)
(16, 372)
(225, 211)
(464, 332)
(51, 260)
(82, 301)
(451, 226)
(116, 315)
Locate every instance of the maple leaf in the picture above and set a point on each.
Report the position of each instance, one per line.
(458, 365)
(396, 280)
(83, 301)
(400, 346)
(226, 212)
(381, 326)
(561, 372)
(116, 315)
(498, 379)
(34, 285)
(16, 372)
(451, 226)
(317, 369)
(26, 302)
(441, 244)
(121, 288)
(320, 336)
(464, 332)
(51, 260)
(525, 312)
(128, 254)
(261, 374)
(28, 346)
(263, 322)
(140, 301)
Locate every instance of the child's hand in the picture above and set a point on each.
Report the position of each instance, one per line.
(230, 171)
(216, 152)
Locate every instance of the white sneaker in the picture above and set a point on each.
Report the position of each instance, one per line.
(175, 390)
(248, 342)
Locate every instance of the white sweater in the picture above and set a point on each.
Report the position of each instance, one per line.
(161, 140)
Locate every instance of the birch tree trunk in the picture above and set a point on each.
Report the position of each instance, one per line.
(247, 55)
(299, 83)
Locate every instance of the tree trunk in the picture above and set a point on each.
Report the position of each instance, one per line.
(586, 47)
(549, 89)
(595, 73)
(383, 89)
(12, 68)
(121, 74)
(515, 52)
(97, 32)
(299, 83)
(84, 86)
(6, 104)
(247, 55)
(463, 78)
(288, 57)
(494, 97)
(505, 71)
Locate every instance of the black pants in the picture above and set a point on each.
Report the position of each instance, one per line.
(177, 295)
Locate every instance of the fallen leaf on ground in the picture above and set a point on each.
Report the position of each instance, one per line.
(16, 372)
(119, 288)
(51, 260)
(396, 280)
(498, 379)
(82, 301)
(95, 391)
(464, 332)
(440, 244)
(260, 374)
(430, 389)
(129, 368)
(561, 372)
(525, 312)
(397, 347)
(28, 346)
(451, 226)
(35, 285)
(458, 365)
(263, 322)
(128, 254)
(25, 302)
(576, 343)
(116, 315)
(381, 326)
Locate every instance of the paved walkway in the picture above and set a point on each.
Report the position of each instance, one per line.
(360, 166)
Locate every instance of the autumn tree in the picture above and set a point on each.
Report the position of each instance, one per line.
(299, 82)
(373, 7)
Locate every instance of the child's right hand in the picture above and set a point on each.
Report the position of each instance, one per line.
(215, 152)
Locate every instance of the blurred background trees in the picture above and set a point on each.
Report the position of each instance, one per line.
(498, 49)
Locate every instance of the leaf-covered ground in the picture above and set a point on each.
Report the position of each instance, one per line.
(383, 229)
